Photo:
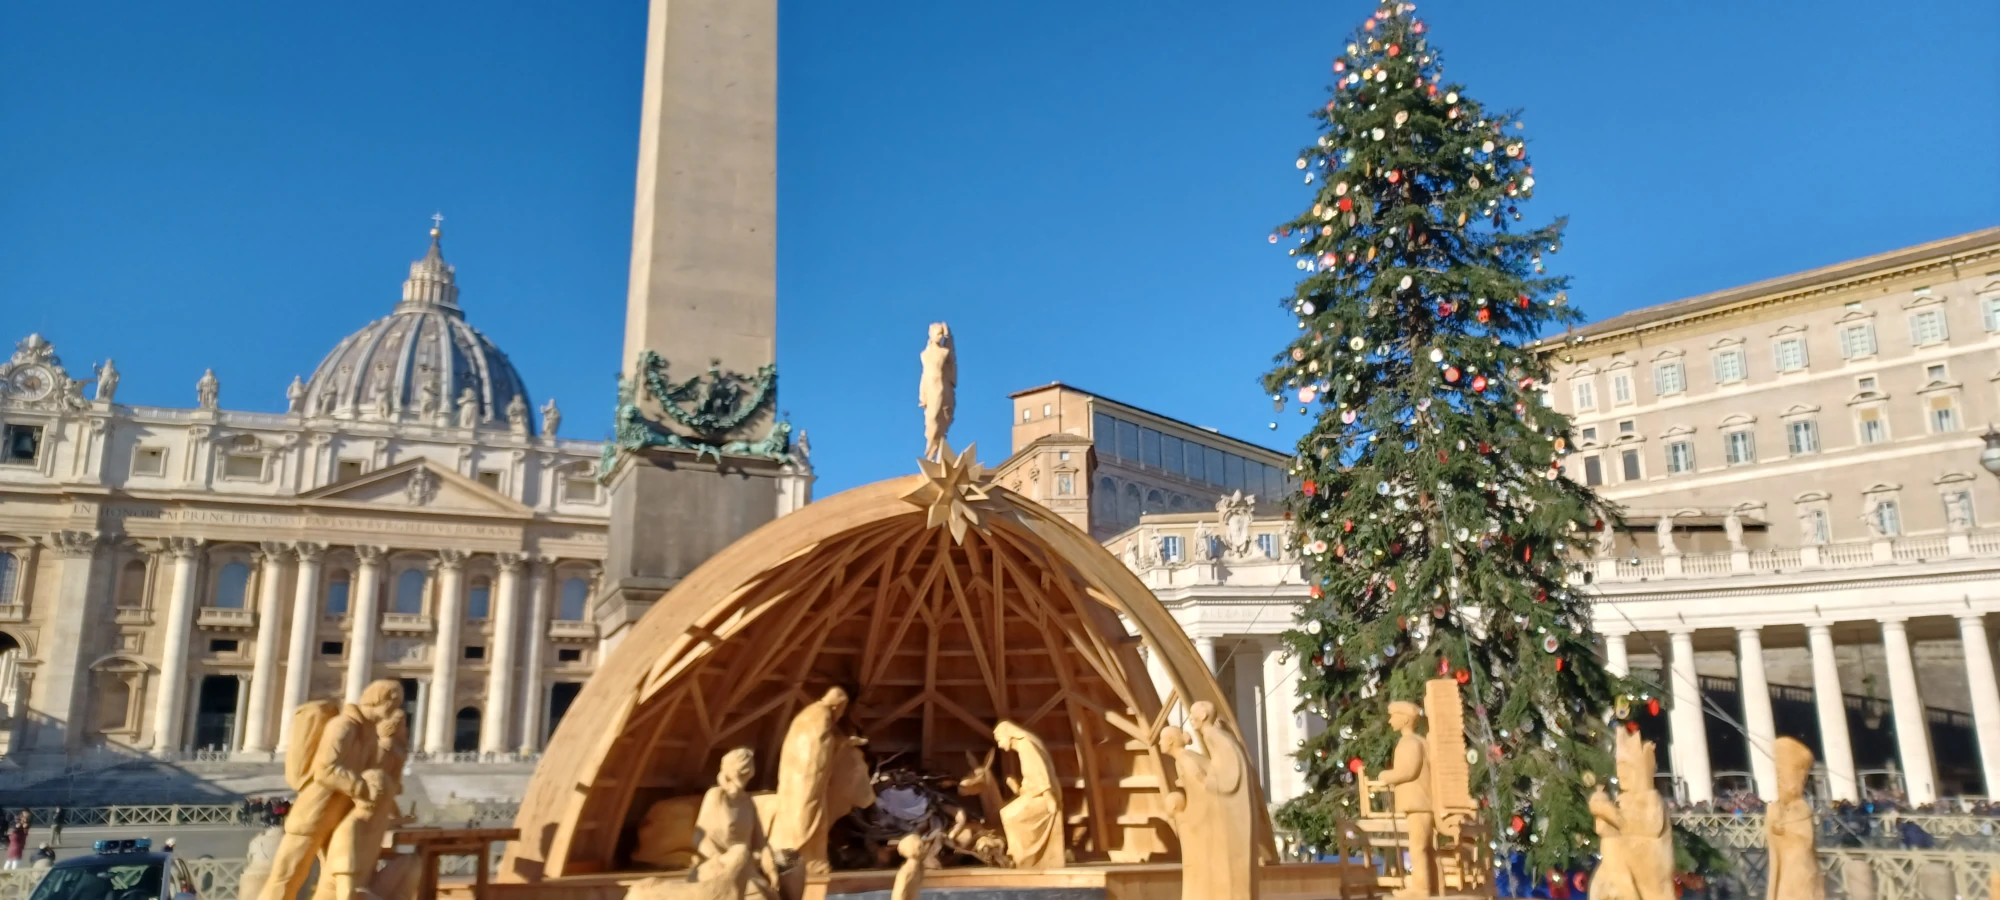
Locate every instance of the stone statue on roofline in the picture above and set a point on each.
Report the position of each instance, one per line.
(937, 393)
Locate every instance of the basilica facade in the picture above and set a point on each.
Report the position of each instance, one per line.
(173, 579)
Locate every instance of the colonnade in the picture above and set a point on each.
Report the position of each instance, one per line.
(262, 726)
(1688, 747)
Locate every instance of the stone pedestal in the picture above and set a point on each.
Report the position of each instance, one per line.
(669, 513)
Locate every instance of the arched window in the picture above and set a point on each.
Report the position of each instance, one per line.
(231, 585)
(1128, 506)
(132, 584)
(465, 733)
(10, 573)
(479, 600)
(338, 583)
(114, 701)
(1104, 502)
(575, 593)
(1155, 502)
(410, 592)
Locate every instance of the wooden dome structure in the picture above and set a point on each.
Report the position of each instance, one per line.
(943, 604)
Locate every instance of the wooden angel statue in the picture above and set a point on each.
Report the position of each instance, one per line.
(1033, 820)
(938, 394)
(1215, 814)
(1788, 828)
(1635, 836)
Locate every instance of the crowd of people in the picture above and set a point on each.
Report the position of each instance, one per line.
(260, 811)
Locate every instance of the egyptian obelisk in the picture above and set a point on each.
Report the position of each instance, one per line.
(701, 311)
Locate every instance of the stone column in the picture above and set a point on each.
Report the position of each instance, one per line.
(1913, 736)
(1688, 727)
(264, 666)
(1248, 660)
(1758, 720)
(305, 619)
(1205, 645)
(1985, 696)
(532, 707)
(361, 619)
(242, 719)
(1616, 659)
(169, 707)
(496, 726)
(71, 643)
(444, 657)
(423, 699)
(1835, 748)
(1281, 702)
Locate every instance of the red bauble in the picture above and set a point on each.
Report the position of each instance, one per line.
(1354, 765)
(1310, 487)
(1315, 592)
(1541, 594)
(1451, 374)
(1395, 176)
(1632, 727)
(1347, 525)
(1581, 881)
(1442, 458)
(1479, 382)
(1395, 49)
(1485, 447)
(1527, 553)
(1559, 664)
(1340, 65)
(1516, 823)
(1653, 706)
(1346, 204)
(1485, 315)
(1522, 301)
(1463, 675)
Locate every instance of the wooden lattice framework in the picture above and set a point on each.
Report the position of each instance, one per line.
(937, 639)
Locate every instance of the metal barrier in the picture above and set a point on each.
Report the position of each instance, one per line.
(451, 812)
(1876, 867)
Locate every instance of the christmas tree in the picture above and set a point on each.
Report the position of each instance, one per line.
(1432, 516)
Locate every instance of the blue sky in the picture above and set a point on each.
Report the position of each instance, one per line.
(1081, 189)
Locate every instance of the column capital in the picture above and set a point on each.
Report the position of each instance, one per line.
(75, 543)
(1756, 631)
(274, 551)
(1974, 616)
(1892, 622)
(1815, 628)
(509, 562)
(370, 554)
(183, 547)
(451, 559)
(1681, 631)
(309, 551)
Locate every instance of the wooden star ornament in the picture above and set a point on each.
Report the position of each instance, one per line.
(952, 493)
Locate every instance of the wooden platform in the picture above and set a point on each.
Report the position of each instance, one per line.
(1151, 881)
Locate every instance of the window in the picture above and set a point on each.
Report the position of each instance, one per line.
(1104, 433)
(575, 591)
(336, 594)
(1170, 549)
(490, 479)
(332, 648)
(150, 461)
(1790, 354)
(1990, 305)
(1874, 429)
(569, 654)
(1171, 457)
(479, 600)
(475, 653)
(1586, 396)
(1232, 477)
(1729, 367)
(1857, 341)
(1128, 440)
(1621, 388)
(1680, 457)
(1802, 436)
(1026, 413)
(580, 489)
(1267, 544)
(221, 645)
(1943, 415)
(1669, 378)
(1958, 510)
(231, 585)
(1213, 458)
(1065, 484)
(1593, 471)
(1739, 447)
(1631, 463)
(348, 470)
(1197, 467)
(1047, 409)
(243, 466)
(410, 592)
(1934, 373)
(10, 574)
(1590, 433)
(1818, 529)
(1149, 448)
(23, 445)
(1888, 519)
(131, 585)
(1865, 384)
(1927, 328)
(1628, 426)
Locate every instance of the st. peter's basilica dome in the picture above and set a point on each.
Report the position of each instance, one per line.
(418, 362)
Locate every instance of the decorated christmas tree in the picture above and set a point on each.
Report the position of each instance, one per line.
(1433, 518)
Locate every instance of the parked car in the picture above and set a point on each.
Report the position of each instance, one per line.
(125, 869)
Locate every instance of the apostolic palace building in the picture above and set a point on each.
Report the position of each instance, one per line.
(1805, 548)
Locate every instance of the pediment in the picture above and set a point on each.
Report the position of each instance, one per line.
(420, 484)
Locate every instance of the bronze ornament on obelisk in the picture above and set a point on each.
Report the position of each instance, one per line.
(699, 457)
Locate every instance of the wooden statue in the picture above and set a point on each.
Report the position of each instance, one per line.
(1033, 820)
(979, 839)
(938, 392)
(1635, 839)
(1788, 828)
(916, 851)
(732, 858)
(1452, 805)
(356, 845)
(1409, 774)
(1213, 811)
(334, 761)
(814, 748)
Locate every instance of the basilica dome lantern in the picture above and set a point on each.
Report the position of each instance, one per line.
(421, 363)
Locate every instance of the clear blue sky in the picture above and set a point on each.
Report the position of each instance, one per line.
(1081, 189)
